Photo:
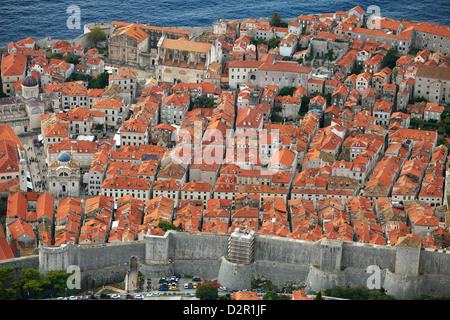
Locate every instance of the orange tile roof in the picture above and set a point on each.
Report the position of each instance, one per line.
(45, 206)
(439, 30)
(107, 104)
(182, 44)
(133, 31)
(13, 64)
(19, 228)
(7, 133)
(148, 27)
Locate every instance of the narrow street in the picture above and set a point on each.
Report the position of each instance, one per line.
(36, 162)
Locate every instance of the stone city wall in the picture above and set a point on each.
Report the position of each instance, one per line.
(403, 271)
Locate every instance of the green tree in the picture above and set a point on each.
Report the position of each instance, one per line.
(55, 284)
(100, 82)
(304, 106)
(6, 282)
(417, 99)
(390, 59)
(357, 69)
(258, 41)
(318, 296)
(273, 43)
(207, 291)
(395, 72)
(287, 91)
(275, 20)
(358, 293)
(72, 60)
(55, 56)
(97, 35)
(270, 295)
(330, 54)
(76, 76)
(166, 225)
(29, 286)
(204, 103)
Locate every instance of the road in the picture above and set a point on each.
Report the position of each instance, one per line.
(153, 293)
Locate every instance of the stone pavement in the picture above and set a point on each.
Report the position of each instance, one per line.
(36, 162)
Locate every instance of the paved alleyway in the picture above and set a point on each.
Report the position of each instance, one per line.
(36, 162)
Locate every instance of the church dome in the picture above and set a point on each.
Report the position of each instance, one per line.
(29, 81)
(64, 157)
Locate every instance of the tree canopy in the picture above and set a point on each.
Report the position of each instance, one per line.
(275, 20)
(274, 42)
(287, 91)
(390, 59)
(272, 295)
(358, 293)
(31, 285)
(166, 225)
(207, 291)
(97, 35)
(100, 82)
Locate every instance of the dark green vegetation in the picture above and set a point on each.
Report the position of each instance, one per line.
(207, 291)
(358, 293)
(97, 35)
(32, 285)
(99, 82)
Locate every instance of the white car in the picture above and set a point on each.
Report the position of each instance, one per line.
(115, 296)
(72, 298)
(139, 296)
(156, 294)
(149, 294)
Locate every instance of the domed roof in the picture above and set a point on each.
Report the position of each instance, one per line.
(64, 157)
(29, 81)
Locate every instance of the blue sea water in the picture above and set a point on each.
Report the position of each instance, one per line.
(38, 19)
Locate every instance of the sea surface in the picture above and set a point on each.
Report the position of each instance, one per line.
(38, 19)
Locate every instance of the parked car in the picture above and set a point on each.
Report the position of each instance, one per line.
(139, 296)
(129, 296)
(156, 294)
(196, 279)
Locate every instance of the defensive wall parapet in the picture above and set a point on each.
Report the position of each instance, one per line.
(404, 272)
